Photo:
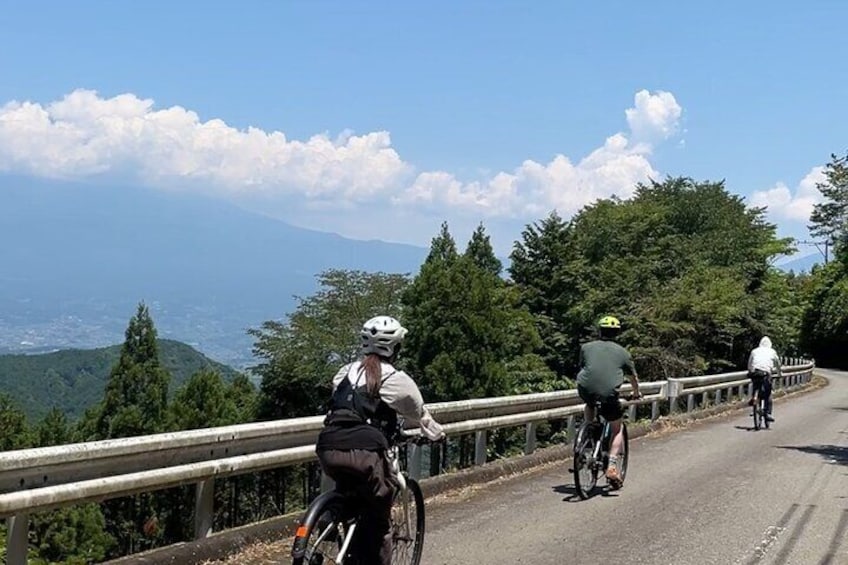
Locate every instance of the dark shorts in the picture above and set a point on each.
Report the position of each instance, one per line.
(761, 381)
(610, 405)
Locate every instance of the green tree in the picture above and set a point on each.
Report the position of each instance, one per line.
(74, 536)
(135, 403)
(541, 268)
(824, 330)
(459, 331)
(244, 395)
(203, 402)
(300, 356)
(13, 422)
(480, 251)
(136, 398)
(683, 263)
(54, 429)
(830, 217)
(71, 535)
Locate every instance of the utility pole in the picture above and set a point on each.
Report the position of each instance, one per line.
(826, 244)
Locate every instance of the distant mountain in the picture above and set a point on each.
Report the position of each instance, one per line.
(802, 264)
(75, 260)
(74, 379)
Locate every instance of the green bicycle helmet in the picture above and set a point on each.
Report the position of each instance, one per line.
(609, 322)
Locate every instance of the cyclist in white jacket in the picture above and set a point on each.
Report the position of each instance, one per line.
(763, 362)
(368, 398)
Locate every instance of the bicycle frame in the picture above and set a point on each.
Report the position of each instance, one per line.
(605, 432)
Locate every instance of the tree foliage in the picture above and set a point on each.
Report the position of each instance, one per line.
(136, 397)
(13, 422)
(681, 263)
(300, 356)
(824, 331)
(467, 328)
(830, 217)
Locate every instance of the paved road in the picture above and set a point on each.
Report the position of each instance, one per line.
(715, 494)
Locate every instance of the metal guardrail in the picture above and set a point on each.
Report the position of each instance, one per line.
(51, 477)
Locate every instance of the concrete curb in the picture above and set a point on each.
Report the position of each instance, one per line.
(229, 542)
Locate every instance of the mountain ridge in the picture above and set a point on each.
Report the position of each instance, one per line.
(75, 379)
(79, 256)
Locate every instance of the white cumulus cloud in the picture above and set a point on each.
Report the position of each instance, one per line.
(783, 203)
(533, 188)
(84, 135)
(654, 116)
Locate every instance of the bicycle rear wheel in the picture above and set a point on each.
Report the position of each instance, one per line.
(764, 412)
(318, 540)
(408, 525)
(757, 415)
(585, 470)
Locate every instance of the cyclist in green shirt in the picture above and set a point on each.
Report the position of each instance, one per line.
(603, 364)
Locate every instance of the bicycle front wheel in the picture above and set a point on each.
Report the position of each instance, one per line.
(585, 470)
(408, 525)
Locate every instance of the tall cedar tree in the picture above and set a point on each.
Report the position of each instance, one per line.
(135, 403)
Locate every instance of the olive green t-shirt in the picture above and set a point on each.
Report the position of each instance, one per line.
(602, 366)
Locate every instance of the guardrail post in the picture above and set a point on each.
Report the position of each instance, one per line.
(18, 539)
(718, 396)
(631, 414)
(674, 389)
(479, 447)
(530, 438)
(413, 465)
(655, 410)
(204, 508)
(570, 429)
(690, 402)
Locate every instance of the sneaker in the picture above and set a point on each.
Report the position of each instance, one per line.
(613, 478)
(769, 417)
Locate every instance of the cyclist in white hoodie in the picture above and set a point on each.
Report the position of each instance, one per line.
(763, 362)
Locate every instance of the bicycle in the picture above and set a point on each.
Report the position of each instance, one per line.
(591, 452)
(329, 524)
(760, 410)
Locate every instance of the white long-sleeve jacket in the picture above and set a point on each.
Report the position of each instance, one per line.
(400, 393)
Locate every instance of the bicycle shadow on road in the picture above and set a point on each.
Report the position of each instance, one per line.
(750, 429)
(835, 454)
(571, 491)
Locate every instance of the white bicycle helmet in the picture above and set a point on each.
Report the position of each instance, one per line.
(381, 335)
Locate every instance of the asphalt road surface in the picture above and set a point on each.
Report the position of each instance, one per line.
(717, 493)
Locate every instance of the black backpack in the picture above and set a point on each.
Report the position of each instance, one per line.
(351, 405)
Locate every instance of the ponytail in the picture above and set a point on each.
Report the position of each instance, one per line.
(372, 364)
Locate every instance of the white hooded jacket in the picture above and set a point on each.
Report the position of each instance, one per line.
(764, 358)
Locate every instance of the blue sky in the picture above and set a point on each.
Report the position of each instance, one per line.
(467, 93)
